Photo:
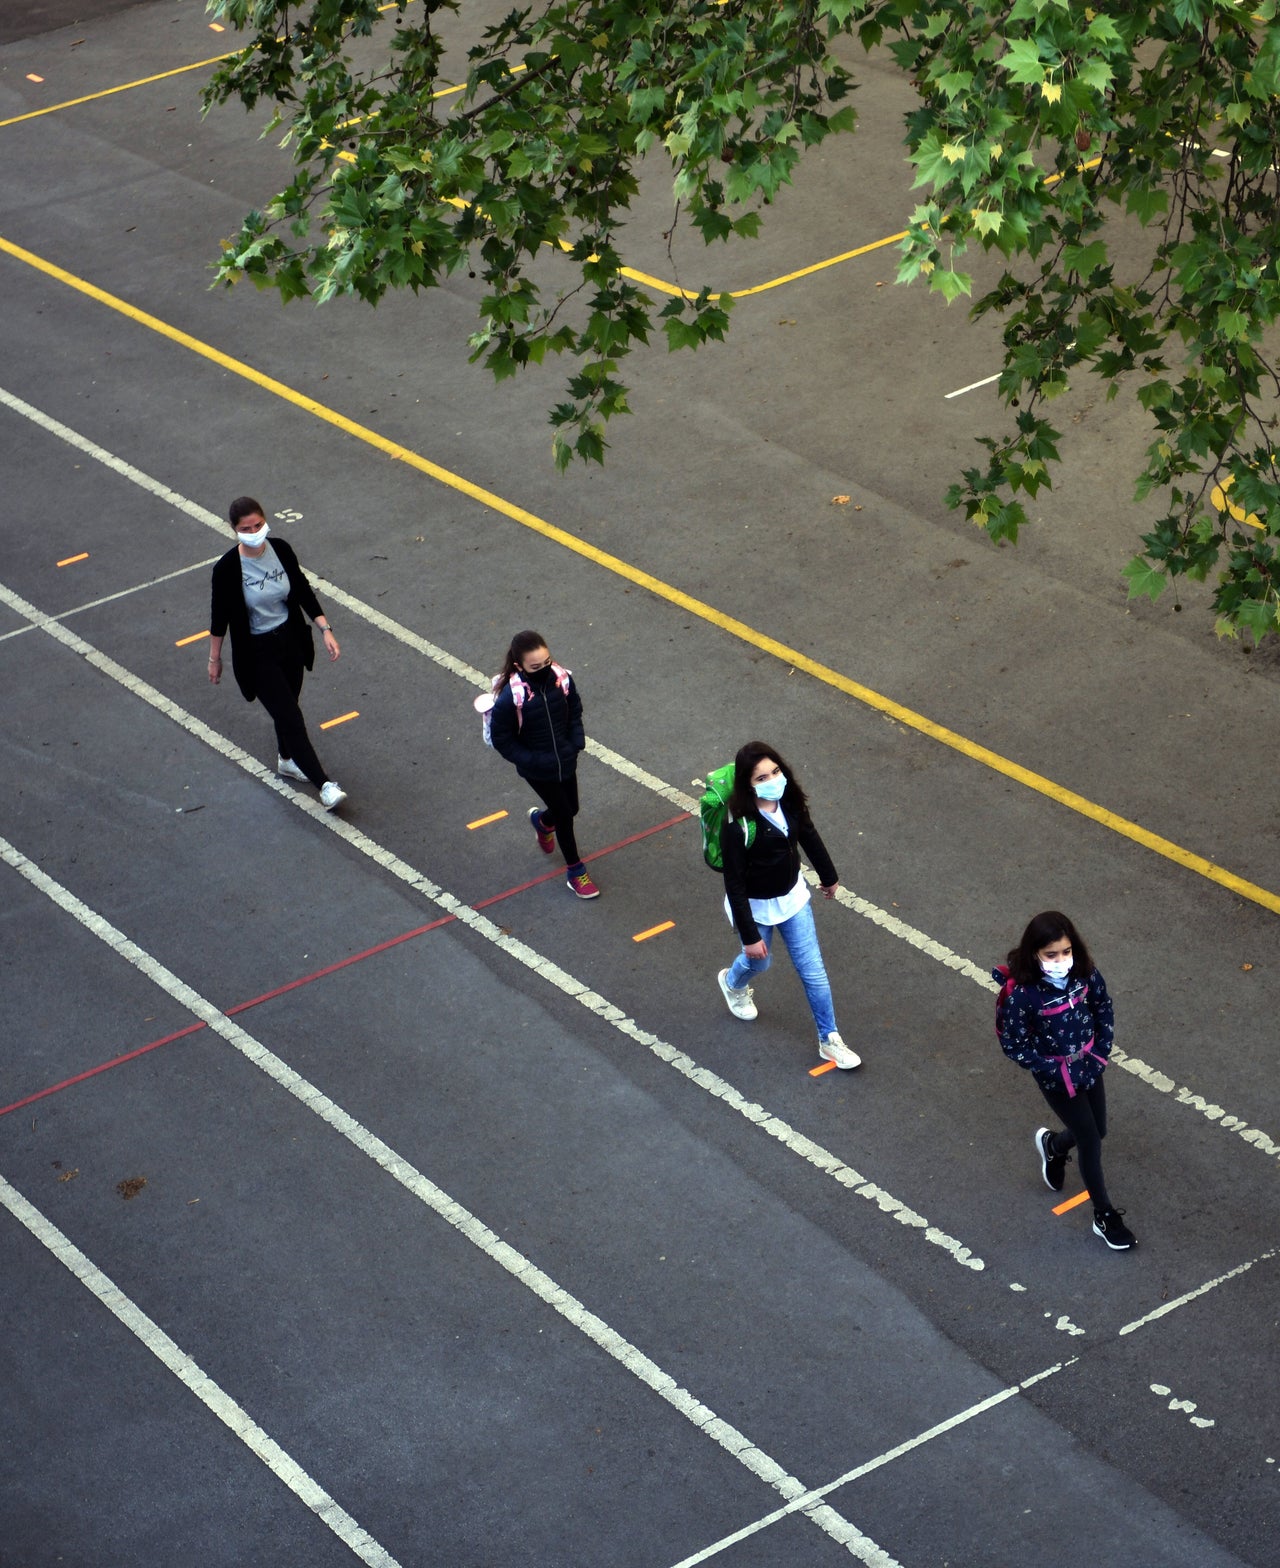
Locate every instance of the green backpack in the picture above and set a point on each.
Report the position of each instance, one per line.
(713, 813)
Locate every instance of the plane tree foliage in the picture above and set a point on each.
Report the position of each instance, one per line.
(1114, 167)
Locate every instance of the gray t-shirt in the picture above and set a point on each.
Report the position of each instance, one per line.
(266, 589)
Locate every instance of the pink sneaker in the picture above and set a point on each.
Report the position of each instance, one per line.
(581, 885)
(546, 836)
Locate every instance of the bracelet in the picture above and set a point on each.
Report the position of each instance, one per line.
(323, 629)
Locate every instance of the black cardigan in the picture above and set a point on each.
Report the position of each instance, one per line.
(771, 866)
(229, 611)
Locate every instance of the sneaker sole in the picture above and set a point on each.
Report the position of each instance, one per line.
(583, 896)
(1116, 1246)
(1044, 1163)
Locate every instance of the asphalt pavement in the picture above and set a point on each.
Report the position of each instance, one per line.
(363, 1195)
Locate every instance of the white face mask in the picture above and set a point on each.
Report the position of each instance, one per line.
(1056, 968)
(772, 789)
(255, 539)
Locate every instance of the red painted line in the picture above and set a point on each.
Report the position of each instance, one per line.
(319, 974)
(342, 963)
(550, 876)
(102, 1067)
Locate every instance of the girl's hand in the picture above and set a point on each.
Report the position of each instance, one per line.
(330, 644)
(830, 892)
(215, 670)
(755, 950)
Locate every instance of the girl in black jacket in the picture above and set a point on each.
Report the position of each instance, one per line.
(259, 595)
(536, 723)
(767, 826)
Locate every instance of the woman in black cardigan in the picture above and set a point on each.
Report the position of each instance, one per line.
(259, 594)
(767, 827)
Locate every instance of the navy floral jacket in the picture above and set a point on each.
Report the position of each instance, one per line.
(1062, 1036)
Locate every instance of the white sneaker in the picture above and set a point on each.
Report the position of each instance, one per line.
(287, 768)
(833, 1049)
(740, 1003)
(332, 795)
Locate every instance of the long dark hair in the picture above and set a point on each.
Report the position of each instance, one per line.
(742, 799)
(1050, 926)
(244, 506)
(522, 645)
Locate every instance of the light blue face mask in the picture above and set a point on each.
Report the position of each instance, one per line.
(772, 789)
(1056, 969)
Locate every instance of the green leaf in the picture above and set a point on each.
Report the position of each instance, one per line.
(1145, 580)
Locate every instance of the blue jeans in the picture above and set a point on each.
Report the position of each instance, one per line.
(800, 936)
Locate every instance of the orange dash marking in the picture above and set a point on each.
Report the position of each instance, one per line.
(827, 1067)
(643, 936)
(216, 27)
(182, 642)
(341, 719)
(72, 559)
(32, 77)
(1072, 1203)
(483, 822)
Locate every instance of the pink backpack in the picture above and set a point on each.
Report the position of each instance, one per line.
(520, 690)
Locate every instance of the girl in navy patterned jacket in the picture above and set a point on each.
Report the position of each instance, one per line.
(1055, 1018)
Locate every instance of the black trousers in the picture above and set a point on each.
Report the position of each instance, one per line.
(278, 672)
(560, 797)
(1084, 1116)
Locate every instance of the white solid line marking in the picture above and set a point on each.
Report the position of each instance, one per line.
(817, 1156)
(1202, 1290)
(217, 1400)
(93, 604)
(521, 1268)
(973, 386)
(623, 765)
(877, 1463)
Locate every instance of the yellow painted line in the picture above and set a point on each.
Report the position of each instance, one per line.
(643, 936)
(483, 822)
(143, 81)
(106, 92)
(72, 559)
(791, 657)
(184, 642)
(1072, 1203)
(817, 1072)
(341, 719)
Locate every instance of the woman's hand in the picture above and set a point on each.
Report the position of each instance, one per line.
(755, 950)
(830, 892)
(330, 643)
(215, 669)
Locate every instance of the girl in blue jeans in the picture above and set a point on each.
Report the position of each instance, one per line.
(768, 825)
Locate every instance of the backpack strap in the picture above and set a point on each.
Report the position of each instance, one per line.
(1005, 992)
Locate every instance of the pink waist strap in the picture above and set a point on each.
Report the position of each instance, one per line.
(1064, 1064)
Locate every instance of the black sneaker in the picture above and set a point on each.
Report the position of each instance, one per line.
(1113, 1230)
(1053, 1167)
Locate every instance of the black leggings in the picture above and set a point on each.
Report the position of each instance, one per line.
(560, 796)
(1085, 1118)
(278, 671)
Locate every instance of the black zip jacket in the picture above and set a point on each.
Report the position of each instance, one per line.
(771, 866)
(544, 739)
(228, 610)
